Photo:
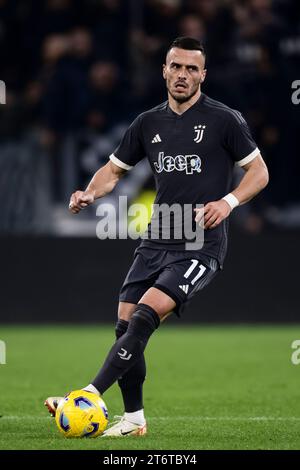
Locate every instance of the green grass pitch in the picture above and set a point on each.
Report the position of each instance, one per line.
(208, 387)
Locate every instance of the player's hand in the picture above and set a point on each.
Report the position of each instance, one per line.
(212, 214)
(81, 199)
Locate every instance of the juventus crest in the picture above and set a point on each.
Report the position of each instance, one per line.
(199, 133)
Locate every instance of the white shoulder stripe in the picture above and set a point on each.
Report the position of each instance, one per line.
(118, 162)
(240, 117)
(212, 104)
(249, 158)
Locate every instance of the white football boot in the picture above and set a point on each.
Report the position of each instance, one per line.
(52, 403)
(123, 427)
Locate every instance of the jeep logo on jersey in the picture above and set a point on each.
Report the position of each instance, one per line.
(187, 163)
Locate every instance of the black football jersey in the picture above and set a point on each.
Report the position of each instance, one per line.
(192, 156)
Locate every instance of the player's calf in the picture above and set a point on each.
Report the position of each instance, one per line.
(129, 348)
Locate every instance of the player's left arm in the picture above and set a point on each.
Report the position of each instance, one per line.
(255, 179)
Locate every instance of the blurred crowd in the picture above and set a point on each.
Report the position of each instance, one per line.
(70, 65)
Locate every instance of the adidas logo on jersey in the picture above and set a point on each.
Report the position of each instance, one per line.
(156, 139)
(185, 288)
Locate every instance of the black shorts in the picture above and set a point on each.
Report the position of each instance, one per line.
(180, 274)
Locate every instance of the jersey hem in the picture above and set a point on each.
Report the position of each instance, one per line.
(180, 247)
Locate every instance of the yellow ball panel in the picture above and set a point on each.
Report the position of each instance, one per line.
(81, 414)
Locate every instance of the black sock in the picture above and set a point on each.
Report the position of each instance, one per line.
(129, 348)
(131, 384)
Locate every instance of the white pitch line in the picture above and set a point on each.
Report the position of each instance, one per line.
(175, 418)
(229, 418)
(28, 418)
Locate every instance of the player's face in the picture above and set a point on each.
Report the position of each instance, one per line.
(184, 72)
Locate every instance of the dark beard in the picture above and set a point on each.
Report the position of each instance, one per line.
(183, 99)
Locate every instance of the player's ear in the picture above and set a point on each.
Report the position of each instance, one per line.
(164, 71)
(203, 75)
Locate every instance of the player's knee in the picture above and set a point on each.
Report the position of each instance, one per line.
(161, 302)
(144, 322)
(121, 328)
(125, 311)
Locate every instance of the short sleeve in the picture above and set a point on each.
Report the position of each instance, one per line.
(130, 150)
(238, 139)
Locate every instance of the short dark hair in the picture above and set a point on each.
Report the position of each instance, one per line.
(187, 43)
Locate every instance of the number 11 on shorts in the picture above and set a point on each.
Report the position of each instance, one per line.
(193, 266)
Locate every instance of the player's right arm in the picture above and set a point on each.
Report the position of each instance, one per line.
(102, 183)
(129, 152)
